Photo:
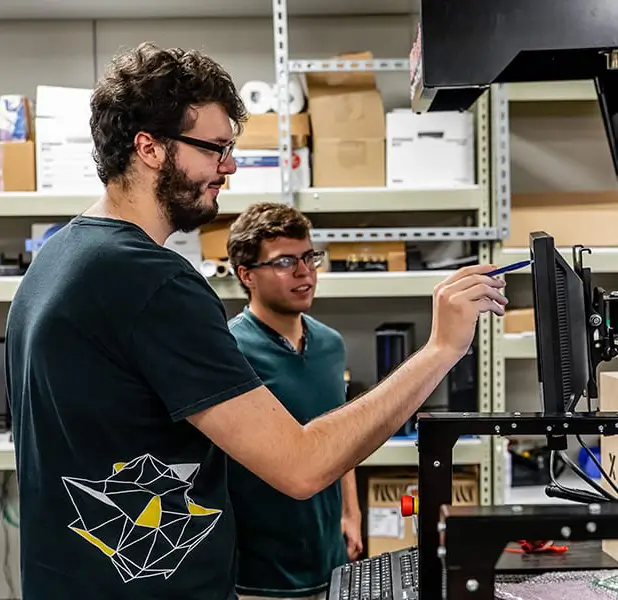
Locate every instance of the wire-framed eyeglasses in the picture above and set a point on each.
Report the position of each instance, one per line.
(224, 151)
(286, 262)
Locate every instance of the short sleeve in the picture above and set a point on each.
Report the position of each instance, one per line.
(185, 350)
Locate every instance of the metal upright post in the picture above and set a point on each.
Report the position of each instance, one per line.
(282, 74)
(501, 158)
(501, 191)
(484, 345)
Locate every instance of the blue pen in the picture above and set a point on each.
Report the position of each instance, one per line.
(508, 268)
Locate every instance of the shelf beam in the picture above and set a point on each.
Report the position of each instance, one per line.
(318, 65)
(601, 260)
(330, 285)
(407, 284)
(468, 451)
(404, 453)
(518, 346)
(312, 200)
(552, 91)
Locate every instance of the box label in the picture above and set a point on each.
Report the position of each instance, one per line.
(385, 522)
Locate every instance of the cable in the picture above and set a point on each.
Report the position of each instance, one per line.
(582, 475)
(593, 458)
(558, 490)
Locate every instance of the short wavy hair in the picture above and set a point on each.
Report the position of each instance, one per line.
(153, 89)
(259, 222)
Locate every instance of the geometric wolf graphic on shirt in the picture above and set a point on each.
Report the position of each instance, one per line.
(141, 516)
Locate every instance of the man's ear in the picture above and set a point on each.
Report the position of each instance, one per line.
(150, 151)
(245, 275)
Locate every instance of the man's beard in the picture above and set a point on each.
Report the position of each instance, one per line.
(181, 198)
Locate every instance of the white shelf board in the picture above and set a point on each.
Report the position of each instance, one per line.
(601, 260)
(7, 453)
(368, 199)
(313, 200)
(164, 9)
(8, 287)
(518, 345)
(471, 451)
(401, 452)
(330, 285)
(355, 285)
(548, 91)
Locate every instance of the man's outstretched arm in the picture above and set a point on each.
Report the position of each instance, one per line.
(257, 431)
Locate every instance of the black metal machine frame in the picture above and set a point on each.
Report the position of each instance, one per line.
(470, 572)
(467, 46)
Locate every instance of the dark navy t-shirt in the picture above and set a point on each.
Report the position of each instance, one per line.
(112, 341)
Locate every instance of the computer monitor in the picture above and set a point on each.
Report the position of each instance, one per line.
(562, 341)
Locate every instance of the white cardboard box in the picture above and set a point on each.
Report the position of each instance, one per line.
(258, 171)
(429, 150)
(64, 146)
(187, 245)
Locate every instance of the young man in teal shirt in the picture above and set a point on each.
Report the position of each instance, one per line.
(287, 547)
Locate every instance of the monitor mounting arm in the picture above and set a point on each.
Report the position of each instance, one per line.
(601, 319)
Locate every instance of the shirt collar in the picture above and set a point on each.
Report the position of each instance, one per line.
(276, 335)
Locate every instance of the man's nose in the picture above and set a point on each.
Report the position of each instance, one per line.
(302, 268)
(228, 166)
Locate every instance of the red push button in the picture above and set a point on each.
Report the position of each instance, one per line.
(408, 506)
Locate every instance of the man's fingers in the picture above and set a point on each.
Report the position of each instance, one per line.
(471, 282)
(483, 290)
(487, 305)
(478, 292)
(467, 272)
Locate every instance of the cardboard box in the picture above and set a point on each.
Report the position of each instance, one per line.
(213, 239)
(587, 218)
(394, 253)
(519, 320)
(258, 171)
(348, 129)
(261, 132)
(387, 529)
(608, 402)
(18, 168)
(433, 149)
(348, 163)
(64, 146)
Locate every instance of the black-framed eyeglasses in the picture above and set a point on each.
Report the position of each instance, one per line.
(312, 259)
(224, 151)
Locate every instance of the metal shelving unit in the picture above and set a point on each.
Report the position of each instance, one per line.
(510, 347)
(491, 222)
(488, 201)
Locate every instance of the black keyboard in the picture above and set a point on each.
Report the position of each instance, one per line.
(388, 576)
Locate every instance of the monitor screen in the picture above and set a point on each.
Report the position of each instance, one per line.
(560, 321)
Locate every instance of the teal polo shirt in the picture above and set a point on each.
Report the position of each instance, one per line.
(288, 547)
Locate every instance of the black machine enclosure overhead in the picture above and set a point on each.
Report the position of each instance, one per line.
(468, 46)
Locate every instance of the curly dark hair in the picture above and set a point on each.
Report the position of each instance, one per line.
(259, 222)
(152, 89)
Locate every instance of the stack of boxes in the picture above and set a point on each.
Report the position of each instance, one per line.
(257, 154)
(347, 120)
